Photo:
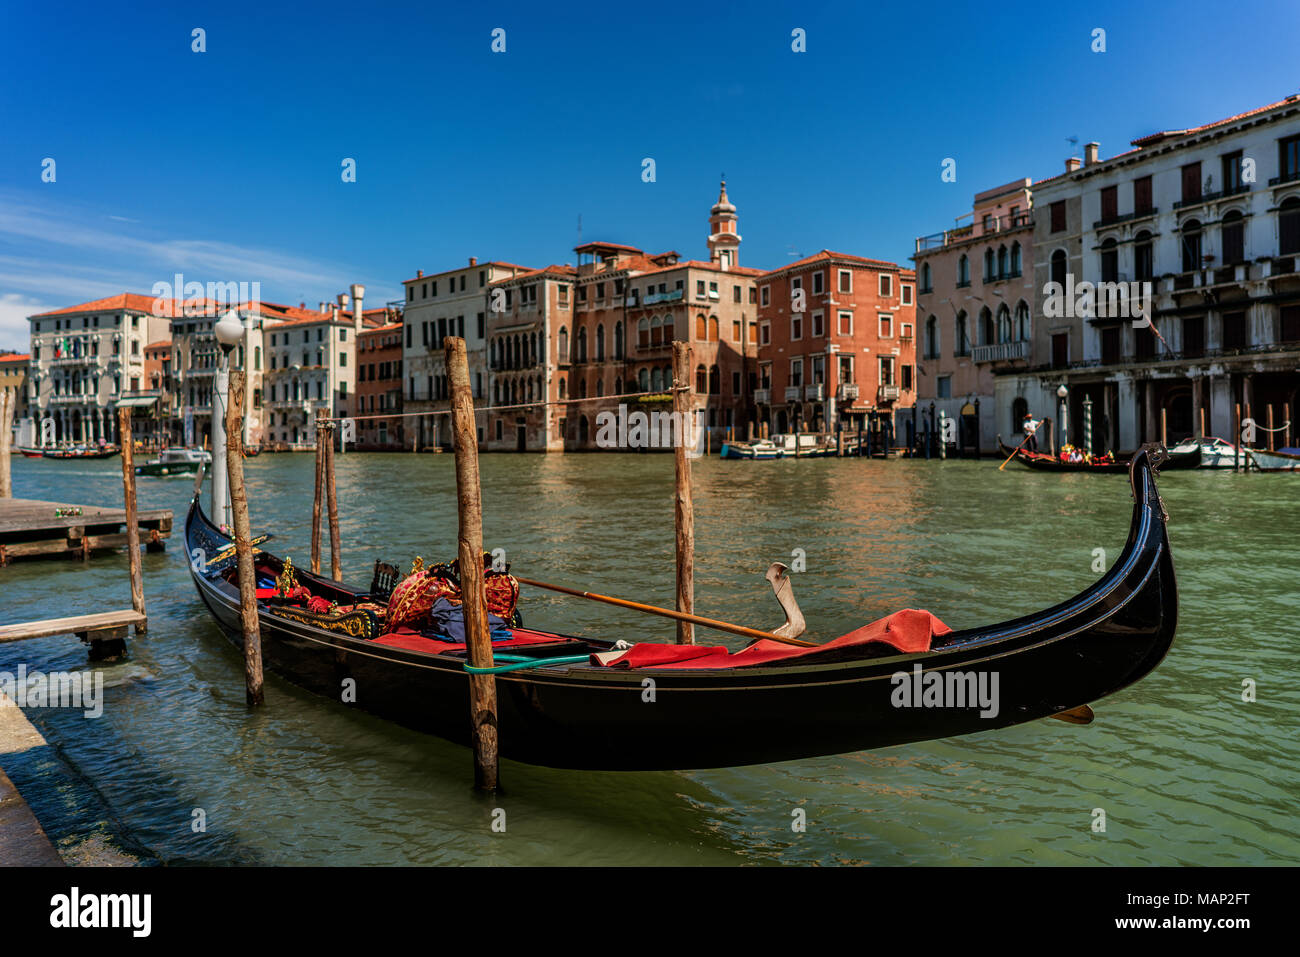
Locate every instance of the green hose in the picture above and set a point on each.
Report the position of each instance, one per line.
(519, 662)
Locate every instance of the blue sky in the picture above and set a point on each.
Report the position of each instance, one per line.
(225, 165)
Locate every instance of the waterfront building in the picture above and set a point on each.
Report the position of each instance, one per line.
(529, 318)
(13, 375)
(88, 359)
(449, 303)
(379, 382)
(1209, 217)
(975, 296)
(836, 345)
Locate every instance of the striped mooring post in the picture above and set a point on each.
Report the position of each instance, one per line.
(1087, 425)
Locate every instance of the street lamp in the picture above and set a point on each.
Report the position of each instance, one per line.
(229, 332)
(1061, 393)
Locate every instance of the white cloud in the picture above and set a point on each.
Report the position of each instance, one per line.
(15, 332)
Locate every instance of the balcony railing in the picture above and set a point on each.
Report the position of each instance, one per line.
(814, 391)
(763, 396)
(1136, 214)
(793, 393)
(888, 393)
(847, 392)
(1291, 177)
(1211, 197)
(1001, 352)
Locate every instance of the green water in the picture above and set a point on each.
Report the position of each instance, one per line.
(1185, 771)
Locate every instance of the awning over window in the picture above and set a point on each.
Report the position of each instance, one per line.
(137, 400)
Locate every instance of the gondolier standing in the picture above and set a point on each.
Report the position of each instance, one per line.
(1031, 432)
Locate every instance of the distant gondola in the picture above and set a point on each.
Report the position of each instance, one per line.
(1188, 459)
(821, 702)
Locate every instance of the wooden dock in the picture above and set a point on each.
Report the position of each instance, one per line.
(34, 529)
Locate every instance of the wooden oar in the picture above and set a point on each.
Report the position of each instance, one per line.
(1080, 715)
(1018, 448)
(669, 613)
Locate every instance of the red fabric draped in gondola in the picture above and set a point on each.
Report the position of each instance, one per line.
(908, 631)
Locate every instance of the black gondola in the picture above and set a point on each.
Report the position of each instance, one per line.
(1043, 462)
(582, 715)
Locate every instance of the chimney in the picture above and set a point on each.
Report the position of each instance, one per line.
(473, 260)
(343, 300)
(1072, 163)
(1091, 153)
(324, 308)
(419, 274)
(358, 295)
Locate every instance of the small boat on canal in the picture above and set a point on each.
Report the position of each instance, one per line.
(1215, 453)
(572, 702)
(1283, 460)
(1188, 458)
(82, 452)
(175, 462)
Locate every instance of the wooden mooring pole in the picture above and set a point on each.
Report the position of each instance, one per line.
(332, 503)
(318, 491)
(253, 688)
(469, 552)
(684, 509)
(1269, 417)
(132, 521)
(8, 399)
(1236, 442)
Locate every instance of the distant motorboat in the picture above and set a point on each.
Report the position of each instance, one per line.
(1215, 453)
(81, 452)
(1283, 460)
(175, 462)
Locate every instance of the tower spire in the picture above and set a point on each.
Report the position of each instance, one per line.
(724, 241)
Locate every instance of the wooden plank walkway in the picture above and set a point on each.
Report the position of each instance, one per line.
(79, 625)
(30, 528)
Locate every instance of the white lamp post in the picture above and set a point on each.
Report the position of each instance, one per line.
(229, 331)
(1061, 393)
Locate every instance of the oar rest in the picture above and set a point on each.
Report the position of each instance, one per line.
(384, 581)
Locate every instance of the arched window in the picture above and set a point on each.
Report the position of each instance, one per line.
(561, 387)
(643, 334)
(600, 343)
(1288, 226)
(988, 335)
(1191, 245)
(1002, 262)
(600, 386)
(988, 265)
(582, 344)
(963, 270)
(668, 330)
(925, 277)
(713, 328)
(1059, 267)
(1022, 321)
(656, 380)
(1004, 324)
(564, 351)
(701, 380)
(618, 385)
(701, 328)
(932, 338)
(582, 387)
(961, 340)
(656, 332)
(1143, 257)
(1234, 238)
(643, 380)
(715, 381)
(618, 340)
(1015, 258)
(1110, 260)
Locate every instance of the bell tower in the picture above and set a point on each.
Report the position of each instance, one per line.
(724, 241)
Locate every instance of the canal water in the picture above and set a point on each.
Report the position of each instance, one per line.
(1184, 770)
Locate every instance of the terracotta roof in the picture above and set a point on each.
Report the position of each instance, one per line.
(18, 357)
(827, 255)
(597, 245)
(467, 266)
(564, 272)
(373, 330)
(130, 302)
(160, 344)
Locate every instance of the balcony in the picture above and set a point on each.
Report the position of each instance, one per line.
(763, 396)
(1127, 217)
(1291, 177)
(889, 393)
(814, 392)
(961, 234)
(1002, 352)
(1211, 197)
(793, 393)
(847, 392)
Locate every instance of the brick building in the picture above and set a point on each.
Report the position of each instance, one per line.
(379, 387)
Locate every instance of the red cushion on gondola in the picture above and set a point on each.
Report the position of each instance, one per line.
(908, 631)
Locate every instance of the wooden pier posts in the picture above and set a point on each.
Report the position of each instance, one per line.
(1270, 426)
(478, 640)
(684, 509)
(332, 504)
(8, 398)
(253, 687)
(1164, 427)
(1236, 441)
(318, 491)
(132, 520)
